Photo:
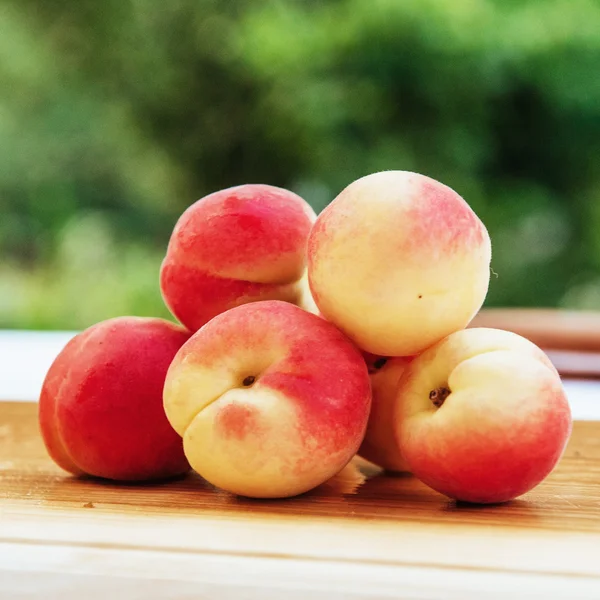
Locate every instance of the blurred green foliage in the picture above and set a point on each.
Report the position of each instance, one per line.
(116, 115)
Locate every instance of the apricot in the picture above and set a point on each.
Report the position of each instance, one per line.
(238, 245)
(100, 408)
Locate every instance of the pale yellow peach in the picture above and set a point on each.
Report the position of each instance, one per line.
(270, 400)
(398, 261)
(482, 416)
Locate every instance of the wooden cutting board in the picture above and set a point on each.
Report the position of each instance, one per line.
(363, 535)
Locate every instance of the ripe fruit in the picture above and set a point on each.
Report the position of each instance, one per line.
(100, 408)
(270, 400)
(234, 246)
(398, 261)
(379, 445)
(482, 416)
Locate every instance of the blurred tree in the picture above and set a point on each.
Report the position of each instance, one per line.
(115, 116)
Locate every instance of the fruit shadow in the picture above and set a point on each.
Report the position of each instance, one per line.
(174, 492)
(358, 491)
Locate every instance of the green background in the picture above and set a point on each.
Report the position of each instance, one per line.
(116, 115)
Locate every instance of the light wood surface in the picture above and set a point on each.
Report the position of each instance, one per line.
(364, 535)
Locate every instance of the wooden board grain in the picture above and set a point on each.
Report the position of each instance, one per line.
(364, 535)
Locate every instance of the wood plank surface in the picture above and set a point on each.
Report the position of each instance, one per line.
(363, 535)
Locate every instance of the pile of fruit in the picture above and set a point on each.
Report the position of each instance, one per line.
(305, 341)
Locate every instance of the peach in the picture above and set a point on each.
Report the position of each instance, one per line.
(238, 245)
(379, 445)
(306, 300)
(482, 416)
(270, 400)
(398, 261)
(100, 407)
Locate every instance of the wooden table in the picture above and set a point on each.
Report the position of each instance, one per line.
(361, 536)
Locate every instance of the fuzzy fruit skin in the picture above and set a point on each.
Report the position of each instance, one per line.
(379, 445)
(398, 261)
(238, 245)
(100, 407)
(296, 425)
(502, 428)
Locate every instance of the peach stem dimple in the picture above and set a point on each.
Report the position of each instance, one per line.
(439, 395)
(378, 364)
(248, 381)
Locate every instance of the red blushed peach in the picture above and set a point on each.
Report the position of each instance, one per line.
(482, 416)
(270, 400)
(398, 261)
(379, 445)
(100, 408)
(238, 245)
